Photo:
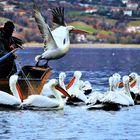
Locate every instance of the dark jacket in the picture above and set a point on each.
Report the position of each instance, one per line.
(7, 67)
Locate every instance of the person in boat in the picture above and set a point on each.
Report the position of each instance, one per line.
(7, 44)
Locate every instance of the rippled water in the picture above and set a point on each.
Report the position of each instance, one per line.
(75, 122)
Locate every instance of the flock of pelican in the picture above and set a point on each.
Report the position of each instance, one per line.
(56, 93)
(122, 92)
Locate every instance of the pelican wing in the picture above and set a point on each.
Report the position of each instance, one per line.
(49, 41)
(40, 101)
(7, 99)
(58, 16)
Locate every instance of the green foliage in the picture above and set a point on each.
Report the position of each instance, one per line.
(103, 32)
(3, 20)
(134, 23)
(105, 19)
(74, 14)
(83, 26)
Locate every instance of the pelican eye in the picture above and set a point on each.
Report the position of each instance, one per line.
(64, 41)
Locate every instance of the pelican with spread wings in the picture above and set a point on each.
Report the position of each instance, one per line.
(56, 42)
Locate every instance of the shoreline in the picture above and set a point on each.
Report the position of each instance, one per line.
(34, 44)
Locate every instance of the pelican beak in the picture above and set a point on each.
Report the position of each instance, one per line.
(71, 83)
(59, 88)
(19, 91)
(120, 85)
(80, 31)
(132, 82)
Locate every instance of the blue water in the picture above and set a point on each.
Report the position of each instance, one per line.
(77, 123)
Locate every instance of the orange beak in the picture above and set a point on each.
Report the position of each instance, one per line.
(121, 85)
(80, 31)
(19, 91)
(71, 83)
(62, 91)
(132, 82)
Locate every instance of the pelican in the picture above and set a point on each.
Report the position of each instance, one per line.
(116, 81)
(46, 91)
(135, 87)
(39, 102)
(96, 96)
(56, 42)
(121, 97)
(73, 89)
(114, 99)
(62, 77)
(86, 87)
(11, 101)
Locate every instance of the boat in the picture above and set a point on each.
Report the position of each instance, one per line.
(31, 80)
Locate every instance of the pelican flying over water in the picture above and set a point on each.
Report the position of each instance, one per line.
(56, 42)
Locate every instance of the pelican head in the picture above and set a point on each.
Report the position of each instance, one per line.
(13, 80)
(133, 75)
(125, 79)
(37, 58)
(62, 75)
(12, 84)
(54, 84)
(117, 76)
(111, 83)
(77, 74)
(70, 28)
(75, 30)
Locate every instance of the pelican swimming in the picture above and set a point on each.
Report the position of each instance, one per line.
(40, 102)
(11, 101)
(136, 80)
(46, 91)
(96, 96)
(56, 42)
(121, 97)
(73, 89)
(86, 87)
(135, 87)
(62, 77)
(114, 99)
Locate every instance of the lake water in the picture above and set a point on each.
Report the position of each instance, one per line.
(75, 122)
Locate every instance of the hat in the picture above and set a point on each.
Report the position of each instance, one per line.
(9, 25)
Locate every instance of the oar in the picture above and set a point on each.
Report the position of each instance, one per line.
(7, 55)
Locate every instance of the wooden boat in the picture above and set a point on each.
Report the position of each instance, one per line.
(31, 80)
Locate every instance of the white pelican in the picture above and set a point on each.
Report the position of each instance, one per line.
(121, 97)
(56, 42)
(126, 80)
(86, 87)
(11, 101)
(40, 102)
(96, 96)
(73, 89)
(46, 91)
(115, 99)
(62, 77)
(135, 87)
(116, 81)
